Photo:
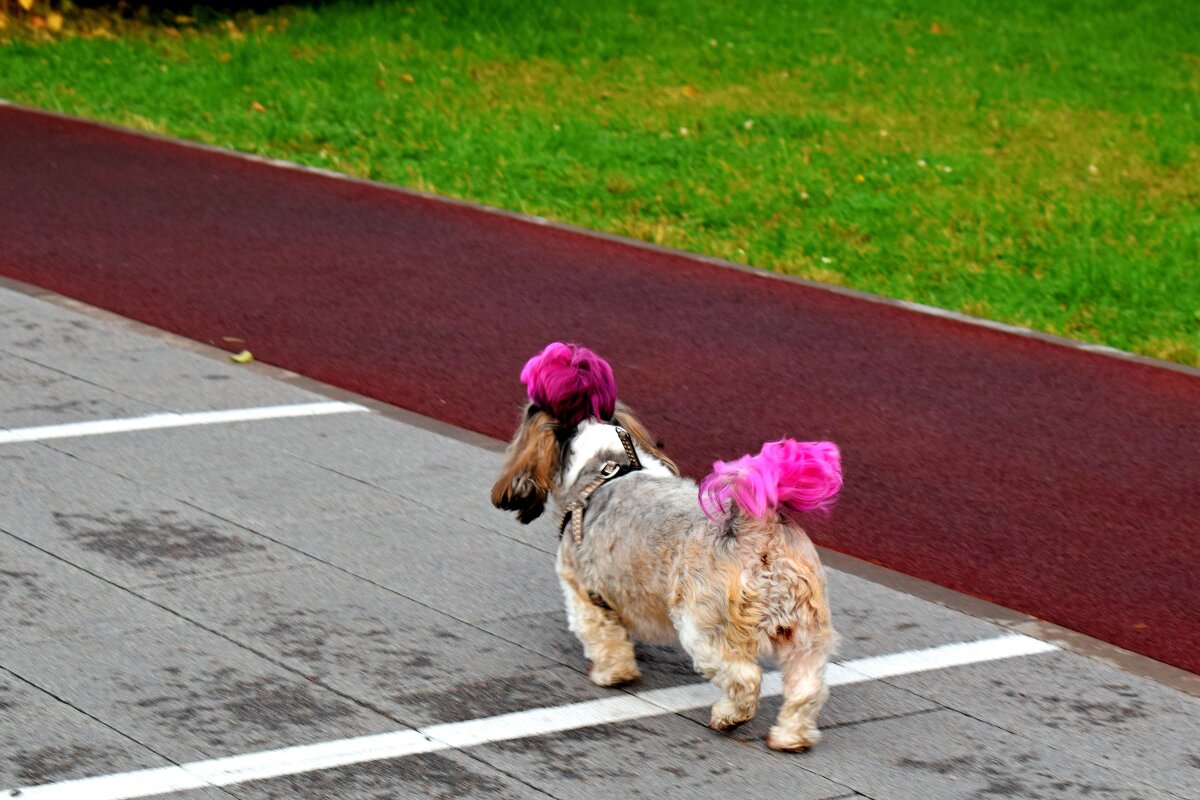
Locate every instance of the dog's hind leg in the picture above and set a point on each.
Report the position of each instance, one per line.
(804, 693)
(605, 641)
(735, 672)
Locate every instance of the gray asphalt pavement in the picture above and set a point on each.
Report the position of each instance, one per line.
(173, 595)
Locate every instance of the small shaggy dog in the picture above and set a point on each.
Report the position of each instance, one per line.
(724, 570)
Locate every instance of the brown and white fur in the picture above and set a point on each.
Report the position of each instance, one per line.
(652, 567)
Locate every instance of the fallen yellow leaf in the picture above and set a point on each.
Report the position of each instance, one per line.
(257, 106)
(407, 78)
(244, 357)
(54, 21)
(690, 91)
(3, 21)
(231, 339)
(25, 4)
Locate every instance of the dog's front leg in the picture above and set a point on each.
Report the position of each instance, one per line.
(605, 641)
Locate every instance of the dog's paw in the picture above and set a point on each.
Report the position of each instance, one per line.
(726, 715)
(614, 676)
(792, 741)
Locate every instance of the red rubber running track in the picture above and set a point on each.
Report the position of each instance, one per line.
(1050, 480)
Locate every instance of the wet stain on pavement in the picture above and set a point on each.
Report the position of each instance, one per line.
(20, 583)
(155, 541)
(51, 763)
(1003, 778)
(1071, 712)
(298, 636)
(58, 408)
(427, 775)
(346, 638)
(58, 332)
(496, 696)
(21, 597)
(217, 703)
(572, 755)
(946, 766)
(273, 704)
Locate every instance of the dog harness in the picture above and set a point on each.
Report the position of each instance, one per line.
(573, 511)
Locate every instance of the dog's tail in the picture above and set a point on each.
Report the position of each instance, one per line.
(786, 477)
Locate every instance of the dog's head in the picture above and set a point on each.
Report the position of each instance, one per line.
(566, 384)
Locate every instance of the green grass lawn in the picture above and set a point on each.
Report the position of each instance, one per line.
(1036, 163)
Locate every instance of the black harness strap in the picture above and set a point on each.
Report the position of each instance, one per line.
(573, 510)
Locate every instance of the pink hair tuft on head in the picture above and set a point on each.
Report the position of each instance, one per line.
(785, 477)
(570, 382)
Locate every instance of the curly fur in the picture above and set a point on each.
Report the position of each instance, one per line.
(653, 567)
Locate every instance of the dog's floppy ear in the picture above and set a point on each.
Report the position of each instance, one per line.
(624, 417)
(530, 467)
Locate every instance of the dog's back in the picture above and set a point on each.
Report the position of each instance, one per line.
(650, 549)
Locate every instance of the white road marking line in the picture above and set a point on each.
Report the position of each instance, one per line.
(517, 725)
(174, 420)
(306, 758)
(541, 721)
(947, 655)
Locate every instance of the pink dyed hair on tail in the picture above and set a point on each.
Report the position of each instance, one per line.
(571, 382)
(786, 477)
